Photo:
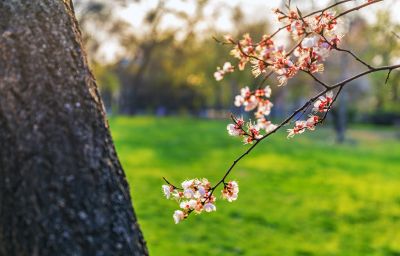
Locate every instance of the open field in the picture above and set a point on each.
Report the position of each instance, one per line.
(304, 196)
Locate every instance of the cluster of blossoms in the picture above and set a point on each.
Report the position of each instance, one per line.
(196, 196)
(317, 35)
(301, 125)
(231, 191)
(227, 68)
(321, 105)
(257, 101)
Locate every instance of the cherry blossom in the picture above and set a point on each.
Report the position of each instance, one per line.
(179, 216)
(309, 42)
(311, 122)
(302, 125)
(220, 73)
(323, 103)
(230, 191)
(257, 101)
(318, 35)
(191, 197)
(209, 207)
(299, 128)
(196, 195)
(167, 189)
(236, 129)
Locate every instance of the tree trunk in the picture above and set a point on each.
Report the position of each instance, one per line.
(129, 91)
(62, 188)
(339, 112)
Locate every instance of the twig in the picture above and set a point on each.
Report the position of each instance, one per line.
(330, 105)
(363, 74)
(219, 41)
(388, 75)
(334, 46)
(327, 8)
(357, 8)
(316, 79)
(172, 185)
(296, 45)
(251, 56)
(396, 35)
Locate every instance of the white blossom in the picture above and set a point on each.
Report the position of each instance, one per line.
(166, 190)
(209, 207)
(178, 216)
(309, 42)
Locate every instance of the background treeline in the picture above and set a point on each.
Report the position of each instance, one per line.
(165, 64)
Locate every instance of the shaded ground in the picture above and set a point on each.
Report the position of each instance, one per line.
(304, 196)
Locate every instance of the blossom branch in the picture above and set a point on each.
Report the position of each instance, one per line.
(334, 46)
(330, 106)
(317, 36)
(339, 85)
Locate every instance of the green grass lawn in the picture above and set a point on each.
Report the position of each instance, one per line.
(303, 196)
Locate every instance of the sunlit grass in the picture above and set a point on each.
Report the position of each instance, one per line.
(304, 196)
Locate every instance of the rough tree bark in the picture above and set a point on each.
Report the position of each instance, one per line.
(62, 188)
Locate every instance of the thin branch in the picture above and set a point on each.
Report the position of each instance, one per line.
(354, 56)
(396, 35)
(388, 75)
(302, 113)
(266, 77)
(219, 41)
(241, 127)
(277, 31)
(296, 45)
(327, 8)
(267, 135)
(251, 56)
(316, 79)
(357, 8)
(172, 185)
(334, 46)
(330, 105)
(363, 74)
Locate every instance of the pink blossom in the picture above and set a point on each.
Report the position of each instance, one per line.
(298, 128)
(228, 68)
(230, 191)
(234, 130)
(219, 75)
(323, 103)
(311, 122)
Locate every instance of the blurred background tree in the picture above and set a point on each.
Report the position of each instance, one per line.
(163, 64)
